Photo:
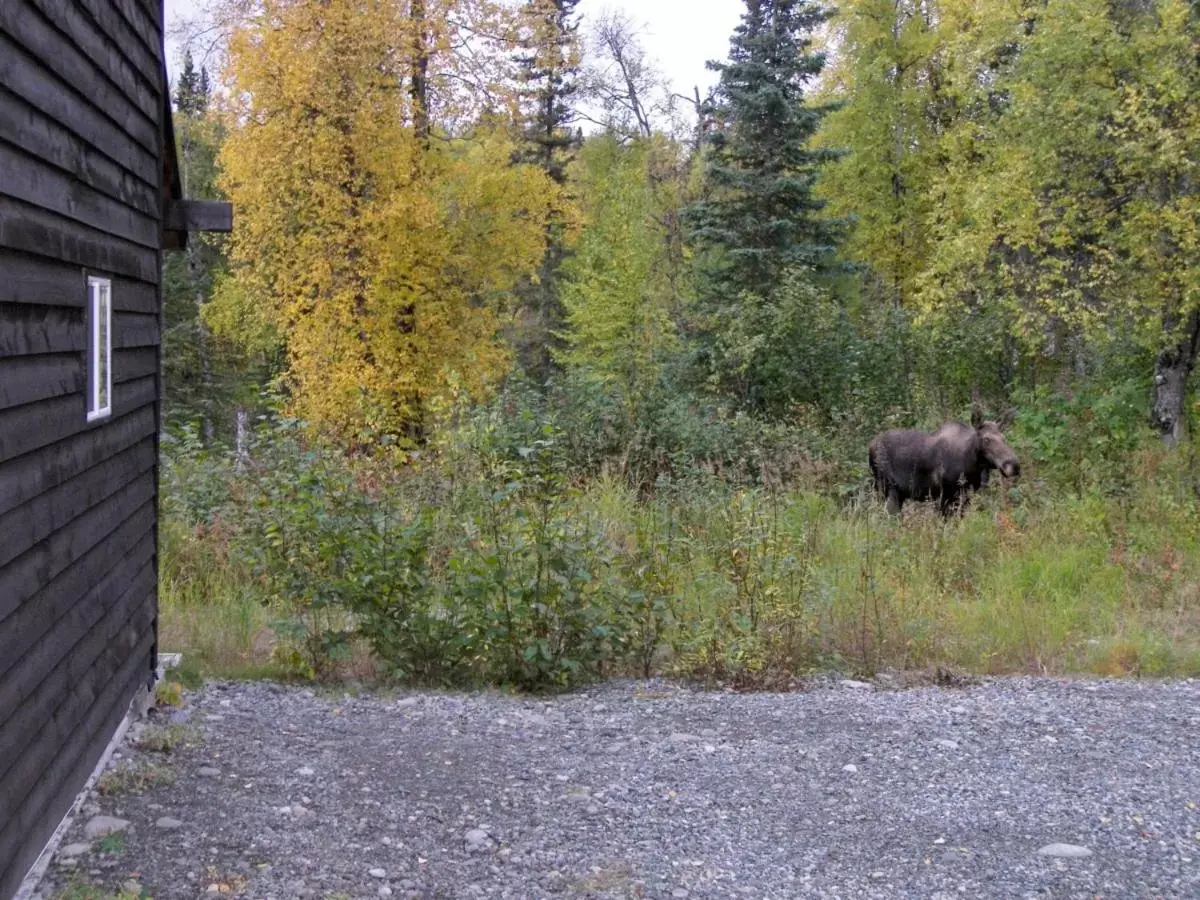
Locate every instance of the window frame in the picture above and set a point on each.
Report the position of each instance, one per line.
(99, 307)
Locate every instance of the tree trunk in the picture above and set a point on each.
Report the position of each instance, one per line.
(241, 439)
(419, 90)
(195, 276)
(1171, 371)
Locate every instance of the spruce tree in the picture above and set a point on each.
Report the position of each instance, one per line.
(548, 67)
(193, 376)
(760, 214)
(192, 89)
(548, 71)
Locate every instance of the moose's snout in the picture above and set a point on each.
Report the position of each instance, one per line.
(1011, 468)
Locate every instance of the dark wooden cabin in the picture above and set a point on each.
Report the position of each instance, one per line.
(89, 196)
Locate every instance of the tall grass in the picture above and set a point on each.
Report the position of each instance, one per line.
(701, 577)
(208, 606)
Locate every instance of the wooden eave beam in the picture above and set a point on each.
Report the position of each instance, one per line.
(198, 215)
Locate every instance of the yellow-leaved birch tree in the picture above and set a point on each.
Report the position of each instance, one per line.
(376, 247)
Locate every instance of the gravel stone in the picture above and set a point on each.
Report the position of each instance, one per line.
(168, 824)
(378, 873)
(769, 814)
(72, 850)
(478, 841)
(208, 772)
(102, 826)
(1065, 851)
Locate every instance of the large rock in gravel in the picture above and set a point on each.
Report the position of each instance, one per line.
(478, 841)
(1065, 851)
(101, 826)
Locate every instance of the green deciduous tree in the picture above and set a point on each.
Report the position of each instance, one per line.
(1077, 206)
(887, 78)
(616, 287)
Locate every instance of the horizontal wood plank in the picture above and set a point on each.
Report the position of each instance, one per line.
(130, 365)
(27, 428)
(92, 613)
(32, 330)
(29, 573)
(26, 127)
(31, 180)
(98, 575)
(26, 477)
(59, 55)
(132, 330)
(37, 281)
(47, 799)
(106, 52)
(25, 526)
(138, 21)
(24, 75)
(139, 43)
(26, 227)
(28, 379)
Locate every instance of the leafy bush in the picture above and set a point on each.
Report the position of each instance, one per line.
(1086, 437)
(519, 552)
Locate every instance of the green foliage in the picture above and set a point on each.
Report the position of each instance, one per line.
(1086, 437)
(124, 780)
(532, 572)
(685, 492)
(891, 94)
(548, 70)
(83, 890)
(757, 224)
(503, 559)
(112, 844)
(166, 738)
(616, 290)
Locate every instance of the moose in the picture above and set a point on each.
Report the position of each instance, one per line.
(946, 465)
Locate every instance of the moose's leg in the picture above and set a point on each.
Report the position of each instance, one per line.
(895, 501)
(954, 502)
(948, 501)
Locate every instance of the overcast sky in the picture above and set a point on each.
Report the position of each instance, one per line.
(680, 34)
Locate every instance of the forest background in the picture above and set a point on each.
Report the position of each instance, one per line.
(520, 368)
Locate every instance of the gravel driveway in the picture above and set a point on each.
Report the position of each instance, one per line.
(1013, 788)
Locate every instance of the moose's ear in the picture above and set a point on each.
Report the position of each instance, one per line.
(1007, 419)
(976, 408)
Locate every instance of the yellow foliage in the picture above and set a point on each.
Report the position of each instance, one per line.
(382, 264)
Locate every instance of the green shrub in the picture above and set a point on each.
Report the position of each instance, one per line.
(509, 555)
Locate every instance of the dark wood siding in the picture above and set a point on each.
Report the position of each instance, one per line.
(81, 169)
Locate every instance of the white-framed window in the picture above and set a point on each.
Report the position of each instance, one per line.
(99, 401)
